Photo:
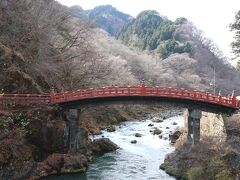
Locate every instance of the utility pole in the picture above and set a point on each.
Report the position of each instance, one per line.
(233, 93)
(214, 80)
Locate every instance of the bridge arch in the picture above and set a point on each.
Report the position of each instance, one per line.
(144, 94)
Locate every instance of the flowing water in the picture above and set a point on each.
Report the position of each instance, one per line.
(138, 161)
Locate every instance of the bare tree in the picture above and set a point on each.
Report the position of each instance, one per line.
(57, 45)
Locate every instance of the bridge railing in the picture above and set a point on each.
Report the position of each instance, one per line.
(144, 91)
(141, 90)
(29, 98)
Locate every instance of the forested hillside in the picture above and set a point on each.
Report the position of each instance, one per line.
(152, 32)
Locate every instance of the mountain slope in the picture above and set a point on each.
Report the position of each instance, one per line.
(150, 31)
(105, 17)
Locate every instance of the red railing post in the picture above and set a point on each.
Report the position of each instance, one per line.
(234, 101)
(52, 95)
(143, 89)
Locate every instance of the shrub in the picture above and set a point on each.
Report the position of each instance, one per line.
(194, 173)
(224, 175)
(56, 110)
(5, 123)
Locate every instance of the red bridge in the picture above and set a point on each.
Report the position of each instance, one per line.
(141, 91)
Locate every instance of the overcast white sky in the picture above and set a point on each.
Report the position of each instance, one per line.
(211, 16)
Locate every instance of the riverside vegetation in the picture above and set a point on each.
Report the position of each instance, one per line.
(45, 44)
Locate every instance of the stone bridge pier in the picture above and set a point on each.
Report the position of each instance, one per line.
(77, 134)
(194, 117)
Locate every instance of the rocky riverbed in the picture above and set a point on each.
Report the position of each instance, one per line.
(138, 160)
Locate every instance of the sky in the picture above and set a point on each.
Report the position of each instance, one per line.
(213, 17)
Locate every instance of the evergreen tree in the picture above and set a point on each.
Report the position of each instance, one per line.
(236, 27)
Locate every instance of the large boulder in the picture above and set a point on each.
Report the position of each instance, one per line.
(103, 145)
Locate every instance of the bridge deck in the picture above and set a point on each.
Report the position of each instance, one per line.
(126, 91)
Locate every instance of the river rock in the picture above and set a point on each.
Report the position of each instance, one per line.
(103, 145)
(174, 136)
(134, 141)
(157, 131)
(151, 125)
(111, 129)
(174, 123)
(167, 128)
(138, 135)
(157, 119)
(160, 136)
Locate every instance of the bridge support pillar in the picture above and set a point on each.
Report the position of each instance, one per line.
(194, 117)
(77, 139)
(73, 115)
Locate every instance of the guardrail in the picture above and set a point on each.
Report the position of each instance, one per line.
(26, 98)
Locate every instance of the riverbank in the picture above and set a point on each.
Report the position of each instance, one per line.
(213, 158)
(34, 139)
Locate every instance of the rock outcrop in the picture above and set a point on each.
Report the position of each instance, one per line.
(60, 164)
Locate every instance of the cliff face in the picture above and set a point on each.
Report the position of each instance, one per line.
(28, 135)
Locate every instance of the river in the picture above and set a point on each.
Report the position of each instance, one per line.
(138, 161)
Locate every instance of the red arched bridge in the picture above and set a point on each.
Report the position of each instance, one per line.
(127, 92)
